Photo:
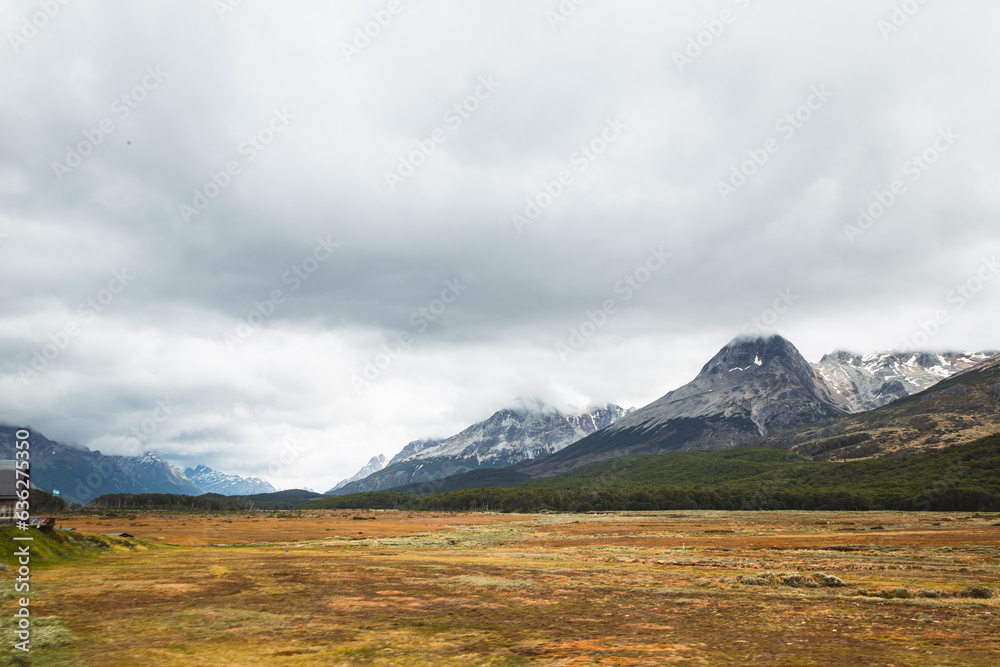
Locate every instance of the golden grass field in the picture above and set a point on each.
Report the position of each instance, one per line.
(325, 588)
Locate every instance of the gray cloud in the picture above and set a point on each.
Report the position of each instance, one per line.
(219, 83)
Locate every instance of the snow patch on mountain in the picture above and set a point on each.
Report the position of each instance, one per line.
(764, 380)
(873, 380)
(527, 430)
(213, 481)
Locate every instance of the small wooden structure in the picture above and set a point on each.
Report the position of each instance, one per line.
(8, 491)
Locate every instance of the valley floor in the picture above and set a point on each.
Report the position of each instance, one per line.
(390, 588)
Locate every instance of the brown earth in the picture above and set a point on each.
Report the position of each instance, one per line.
(474, 589)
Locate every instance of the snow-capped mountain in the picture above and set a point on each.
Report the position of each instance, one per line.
(530, 430)
(213, 481)
(764, 381)
(956, 410)
(374, 465)
(747, 390)
(871, 381)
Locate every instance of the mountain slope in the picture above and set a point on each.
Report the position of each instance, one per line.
(963, 408)
(747, 390)
(213, 481)
(871, 381)
(414, 448)
(373, 466)
(81, 474)
(505, 438)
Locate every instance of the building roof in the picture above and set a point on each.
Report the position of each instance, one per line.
(8, 479)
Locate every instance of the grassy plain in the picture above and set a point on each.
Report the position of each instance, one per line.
(650, 588)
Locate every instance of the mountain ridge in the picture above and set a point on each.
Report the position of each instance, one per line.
(81, 474)
(213, 481)
(870, 381)
(751, 386)
(506, 437)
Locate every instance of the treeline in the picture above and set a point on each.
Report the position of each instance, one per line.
(147, 501)
(208, 502)
(961, 478)
(667, 498)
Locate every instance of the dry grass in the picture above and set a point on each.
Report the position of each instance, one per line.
(534, 590)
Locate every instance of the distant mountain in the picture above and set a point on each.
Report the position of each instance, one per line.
(509, 436)
(871, 381)
(81, 474)
(213, 481)
(749, 389)
(374, 465)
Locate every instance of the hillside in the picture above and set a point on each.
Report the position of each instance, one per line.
(960, 409)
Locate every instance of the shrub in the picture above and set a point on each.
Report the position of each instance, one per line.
(790, 579)
(796, 580)
(762, 579)
(46, 632)
(979, 592)
(895, 593)
(828, 580)
(930, 593)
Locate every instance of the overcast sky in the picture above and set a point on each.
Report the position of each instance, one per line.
(459, 188)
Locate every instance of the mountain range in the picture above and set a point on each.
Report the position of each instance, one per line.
(213, 481)
(753, 392)
(748, 389)
(509, 436)
(871, 381)
(81, 474)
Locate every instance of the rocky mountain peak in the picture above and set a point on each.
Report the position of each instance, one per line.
(745, 354)
(842, 356)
